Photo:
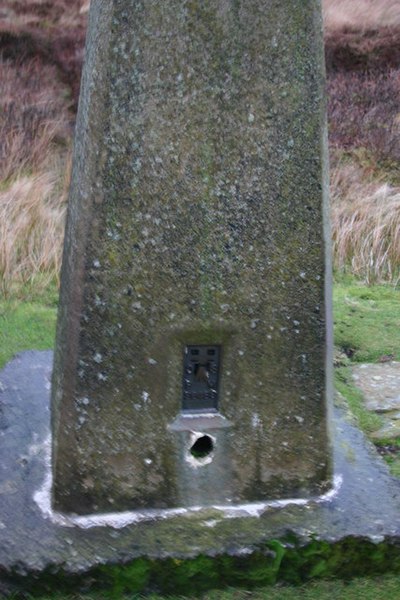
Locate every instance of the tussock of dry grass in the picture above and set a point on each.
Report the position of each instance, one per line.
(365, 225)
(35, 136)
(361, 14)
(32, 214)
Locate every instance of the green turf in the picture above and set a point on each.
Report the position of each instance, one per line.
(367, 327)
(25, 326)
(394, 466)
(380, 588)
(28, 318)
(366, 320)
(383, 588)
(392, 459)
(344, 384)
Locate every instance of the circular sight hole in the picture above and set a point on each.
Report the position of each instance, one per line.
(202, 447)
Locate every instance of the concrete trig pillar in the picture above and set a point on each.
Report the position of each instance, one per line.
(191, 360)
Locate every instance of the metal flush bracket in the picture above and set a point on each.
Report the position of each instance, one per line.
(201, 368)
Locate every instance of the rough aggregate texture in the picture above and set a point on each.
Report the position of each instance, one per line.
(197, 216)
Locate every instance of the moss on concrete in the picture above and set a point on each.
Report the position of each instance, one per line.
(284, 561)
(191, 221)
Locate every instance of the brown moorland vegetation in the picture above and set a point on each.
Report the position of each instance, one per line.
(52, 32)
(41, 53)
(362, 48)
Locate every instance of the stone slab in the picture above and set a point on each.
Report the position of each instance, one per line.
(365, 503)
(380, 385)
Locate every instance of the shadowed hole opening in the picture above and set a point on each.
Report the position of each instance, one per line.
(202, 447)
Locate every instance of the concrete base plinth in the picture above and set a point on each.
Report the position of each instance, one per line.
(40, 548)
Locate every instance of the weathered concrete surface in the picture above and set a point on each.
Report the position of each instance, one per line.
(366, 506)
(197, 216)
(380, 385)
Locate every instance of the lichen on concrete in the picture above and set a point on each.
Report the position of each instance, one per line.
(197, 216)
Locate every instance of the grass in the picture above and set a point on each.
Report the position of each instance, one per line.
(344, 384)
(32, 212)
(394, 465)
(362, 48)
(27, 321)
(390, 450)
(41, 51)
(379, 588)
(35, 117)
(367, 328)
(367, 319)
(34, 172)
(25, 326)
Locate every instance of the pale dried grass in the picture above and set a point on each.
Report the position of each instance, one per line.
(85, 7)
(360, 14)
(34, 141)
(32, 215)
(365, 225)
(35, 134)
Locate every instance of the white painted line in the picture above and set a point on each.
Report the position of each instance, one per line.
(118, 520)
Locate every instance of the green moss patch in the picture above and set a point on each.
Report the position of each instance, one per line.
(287, 562)
(344, 384)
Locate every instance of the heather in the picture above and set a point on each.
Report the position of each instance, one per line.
(41, 46)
